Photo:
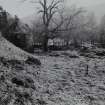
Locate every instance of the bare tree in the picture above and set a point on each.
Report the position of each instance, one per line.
(56, 19)
(37, 31)
(48, 10)
(91, 28)
(83, 27)
(102, 31)
(72, 23)
(61, 26)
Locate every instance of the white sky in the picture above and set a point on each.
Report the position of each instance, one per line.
(26, 9)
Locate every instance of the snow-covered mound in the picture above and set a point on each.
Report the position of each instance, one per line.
(18, 75)
(10, 51)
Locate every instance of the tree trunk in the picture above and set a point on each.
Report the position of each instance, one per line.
(45, 43)
(67, 44)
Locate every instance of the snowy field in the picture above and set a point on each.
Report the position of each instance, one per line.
(63, 78)
(72, 80)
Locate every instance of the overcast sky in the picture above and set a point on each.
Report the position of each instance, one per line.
(26, 9)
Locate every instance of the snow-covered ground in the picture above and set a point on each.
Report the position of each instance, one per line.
(63, 78)
(66, 80)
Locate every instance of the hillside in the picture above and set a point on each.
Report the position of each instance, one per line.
(10, 51)
(17, 74)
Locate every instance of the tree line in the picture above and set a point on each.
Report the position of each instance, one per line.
(14, 30)
(55, 21)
